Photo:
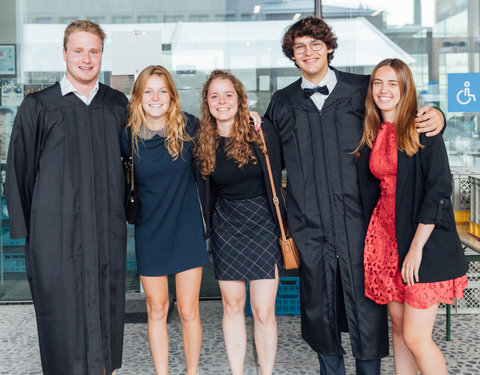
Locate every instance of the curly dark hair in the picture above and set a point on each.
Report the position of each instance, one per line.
(309, 26)
(238, 146)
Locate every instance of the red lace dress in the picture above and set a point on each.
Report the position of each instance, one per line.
(383, 281)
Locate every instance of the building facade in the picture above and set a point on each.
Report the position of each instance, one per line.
(191, 38)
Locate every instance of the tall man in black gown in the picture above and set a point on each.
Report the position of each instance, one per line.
(65, 195)
(319, 120)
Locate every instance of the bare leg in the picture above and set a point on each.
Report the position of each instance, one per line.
(188, 290)
(262, 297)
(156, 293)
(234, 296)
(402, 357)
(417, 333)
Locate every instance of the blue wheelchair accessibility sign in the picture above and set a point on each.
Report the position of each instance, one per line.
(464, 92)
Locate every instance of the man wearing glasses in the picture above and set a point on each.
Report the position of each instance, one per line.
(319, 119)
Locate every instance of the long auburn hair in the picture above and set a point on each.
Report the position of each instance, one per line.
(407, 136)
(175, 126)
(238, 146)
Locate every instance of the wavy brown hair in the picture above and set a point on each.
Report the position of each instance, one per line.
(407, 136)
(243, 134)
(309, 26)
(175, 126)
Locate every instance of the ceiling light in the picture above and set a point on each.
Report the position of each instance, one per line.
(376, 13)
(256, 9)
(296, 16)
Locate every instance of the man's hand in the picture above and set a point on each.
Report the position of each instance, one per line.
(257, 120)
(429, 120)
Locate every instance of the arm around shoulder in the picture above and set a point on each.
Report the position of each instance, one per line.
(430, 120)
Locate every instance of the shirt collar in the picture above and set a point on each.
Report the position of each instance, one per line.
(329, 80)
(67, 87)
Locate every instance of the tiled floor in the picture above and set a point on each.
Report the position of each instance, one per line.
(19, 349)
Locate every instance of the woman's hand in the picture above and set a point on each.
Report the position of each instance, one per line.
(429, 120)
(411, 265)
(257, 120)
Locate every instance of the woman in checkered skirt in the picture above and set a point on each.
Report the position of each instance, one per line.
(240, 216)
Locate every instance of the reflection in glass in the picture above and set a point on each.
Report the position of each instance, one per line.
(435, 37)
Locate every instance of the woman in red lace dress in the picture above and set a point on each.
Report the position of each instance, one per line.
(413, 257)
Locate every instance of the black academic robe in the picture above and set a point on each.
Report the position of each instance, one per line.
(65, 192)
(325, 215)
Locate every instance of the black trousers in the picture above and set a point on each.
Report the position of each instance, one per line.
(334, 365)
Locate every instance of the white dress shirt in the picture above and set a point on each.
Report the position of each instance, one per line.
(330, 81)
(67, 87)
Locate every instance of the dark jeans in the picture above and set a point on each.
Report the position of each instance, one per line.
(334, 365)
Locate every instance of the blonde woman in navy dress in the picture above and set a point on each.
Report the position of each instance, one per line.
(169, 236)
(240, 215)
(413, 257)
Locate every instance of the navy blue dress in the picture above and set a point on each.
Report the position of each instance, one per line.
(169, 236)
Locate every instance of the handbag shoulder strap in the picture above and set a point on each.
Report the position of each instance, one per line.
(276, 202)
(130, 161)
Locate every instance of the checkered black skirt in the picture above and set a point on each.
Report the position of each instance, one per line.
(245, 240)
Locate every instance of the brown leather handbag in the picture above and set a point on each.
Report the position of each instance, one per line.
(291, 259)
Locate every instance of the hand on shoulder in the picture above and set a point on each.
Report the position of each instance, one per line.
(429, 120)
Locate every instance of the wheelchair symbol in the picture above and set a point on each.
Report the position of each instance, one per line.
(467, 97)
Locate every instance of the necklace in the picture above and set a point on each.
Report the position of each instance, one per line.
(146, 133)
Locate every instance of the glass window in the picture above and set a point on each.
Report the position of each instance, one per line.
(147, 19)
(121, 19)
(97, 19)
(67, 20)
(435, 37)
(173, 18)
(195, 37)
(43, 20)
(199, 17)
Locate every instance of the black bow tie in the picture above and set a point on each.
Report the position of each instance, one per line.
(321, 89)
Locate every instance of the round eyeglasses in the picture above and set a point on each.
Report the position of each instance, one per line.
(300, 48)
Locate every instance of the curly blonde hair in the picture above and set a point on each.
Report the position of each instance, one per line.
(238, 146)
(176, 122)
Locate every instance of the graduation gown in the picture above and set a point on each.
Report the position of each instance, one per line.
(325, 215)
(65, 191)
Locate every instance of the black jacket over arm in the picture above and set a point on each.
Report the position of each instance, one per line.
(208, 192)
(424, 187)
